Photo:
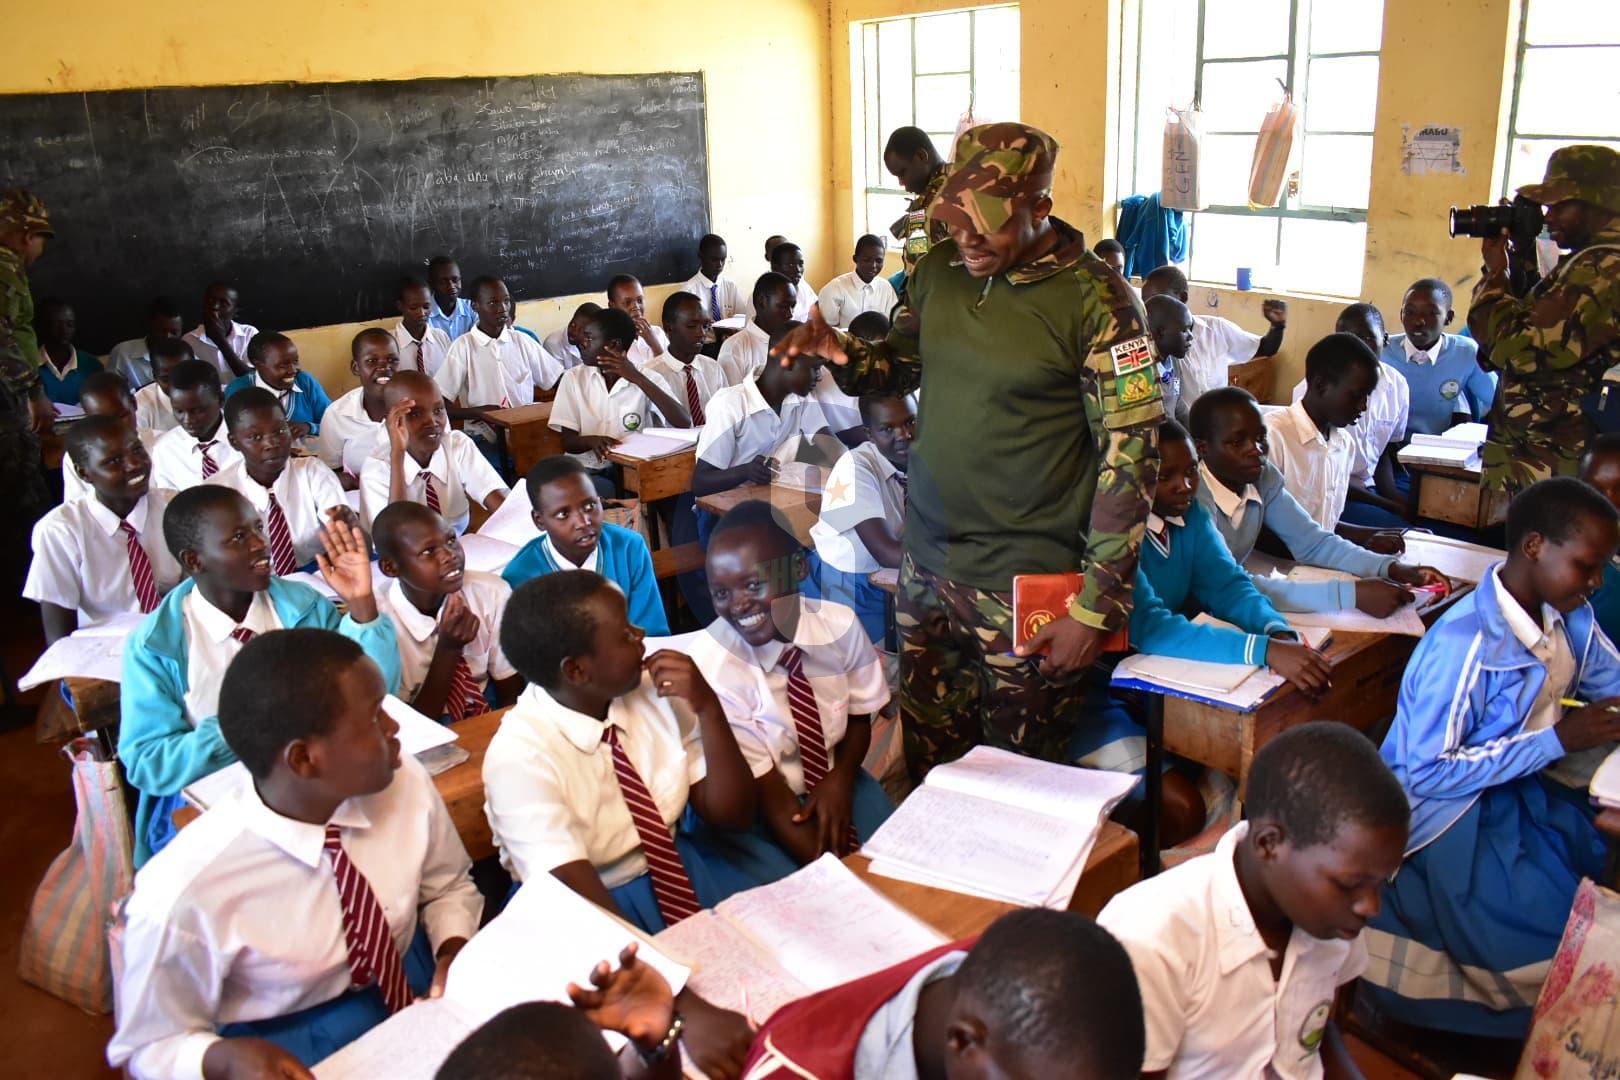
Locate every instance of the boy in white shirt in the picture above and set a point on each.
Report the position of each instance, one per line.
(1217, 343)
(745, 352)
(1311, 443)
(103, 555)
(196, 449)
(296, 497)
(719, 294)
(245, 938)
(133, 359)
(1240, 953)
(563, 343)
(492, 366)
(154, 411)
(863, 508)
(862, 289)
(422, 346)
(788, 260)
(625, 294)
(447, 618)
(353, 424)
(682, 366)
(800, 682)
(220, 340)
(425, 460)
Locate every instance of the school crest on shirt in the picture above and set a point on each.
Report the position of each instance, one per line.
(1450, 389)
(631, 421)
(1132, 355)
(1314, 1029)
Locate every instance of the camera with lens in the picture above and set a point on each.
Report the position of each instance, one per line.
(1522, 218)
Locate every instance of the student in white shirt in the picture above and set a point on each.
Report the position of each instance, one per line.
(563, 343)
(447, 618)
(153, 410)
(1311, 443)
(422, 346)
(353, 424)
(553, 790)
(241, 939)
(693, 377)
(720, 295)
(625, 294)
(863, 509)
(492, 366)
(425, 460)
(774, 656)
(85, 570)
(103, 393)
(296, 497)
(755, 425)
(607, 397)
(1240, 953)
(133, 359)
(862, 289)
(745, 352)
(196, 449)
(219, 339)
(1217, 343)
(788, 260)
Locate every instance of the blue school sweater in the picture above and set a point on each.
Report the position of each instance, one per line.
(1307, 541)
(65, 391)
(1435, 387)
(162, 752)
(1198, 574)
(1465, 697)
(621, 557)
(309, 403)
(1606, 602)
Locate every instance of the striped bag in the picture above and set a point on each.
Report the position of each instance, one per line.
(1272, 148)
(64, 946)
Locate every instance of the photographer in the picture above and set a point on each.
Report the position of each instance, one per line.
(1553, 345)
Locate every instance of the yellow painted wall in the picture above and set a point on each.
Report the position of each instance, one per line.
(765, 67)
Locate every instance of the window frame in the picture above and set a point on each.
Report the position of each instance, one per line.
(1514, 136)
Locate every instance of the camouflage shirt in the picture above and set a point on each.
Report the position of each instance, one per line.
(22, 484)
(915, 230)
(1552, 349)
(1037, 449)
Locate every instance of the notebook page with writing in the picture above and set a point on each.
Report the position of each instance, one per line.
(728, 969)
(1454, 558)
(1063, 791)
(410, 1045)
(79, 655)
(645, 447)
(1605, 786)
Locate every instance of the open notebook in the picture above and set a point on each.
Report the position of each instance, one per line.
(1234, 686)
(999, 825)
(1605, 787)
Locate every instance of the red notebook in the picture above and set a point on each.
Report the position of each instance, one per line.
(1040, 598)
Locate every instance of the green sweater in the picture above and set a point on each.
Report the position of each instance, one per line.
(1036, 449)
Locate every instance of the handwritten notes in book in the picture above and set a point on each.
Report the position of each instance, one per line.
(92, 653)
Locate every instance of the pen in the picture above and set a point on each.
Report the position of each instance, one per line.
(1577, 703)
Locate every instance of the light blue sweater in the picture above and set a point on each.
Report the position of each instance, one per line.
(1438, 388)
(621, 557)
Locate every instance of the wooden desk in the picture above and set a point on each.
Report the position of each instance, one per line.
(525, 434)
(800, 508)
(652, 479)
(1457, 496)
(1257, 376)
(1608, 823)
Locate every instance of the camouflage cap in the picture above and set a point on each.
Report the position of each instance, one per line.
(22, 209)
(1585, 172)
(995, 164)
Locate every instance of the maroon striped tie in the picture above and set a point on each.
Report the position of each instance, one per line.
(242, 635)
(466, 696)
(373, 956)
(140, 569)
(430, 491)
(209, 465)
(807, 725)
(671, 887)
(694, 404)
(282, 559)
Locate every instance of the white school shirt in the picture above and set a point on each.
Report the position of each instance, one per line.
(207, 351)
(640, 353)
(1315, 469)
(842, 410)
(585, 405)
(348, 434)
(239, 917)
(1210, 1002)
(426, 356)
(550, 791)
(418, 634)
(305, 491)
(81, 558)
(725, 291)
(561, 349)
(1384, 422)
(459, 470)
(177, 458)
(847, 296)
(863, 485)
(845, 673)
(744, 353)
(563, 562)
(503, 371)
(133, 360)
(153, 410)
(706, 372)
(210, 647)
(1217, 343)
(742, 426)
(804, 299)
(284, 397)
(74, 486)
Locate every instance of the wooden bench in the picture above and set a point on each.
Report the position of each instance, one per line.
(671, 562)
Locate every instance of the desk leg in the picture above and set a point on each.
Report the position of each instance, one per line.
(1155, 784)
(508, 466)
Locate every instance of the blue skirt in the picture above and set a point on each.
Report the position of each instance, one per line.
(1471, 921)
(853, 591)
(1107, 736)
(316, 1033)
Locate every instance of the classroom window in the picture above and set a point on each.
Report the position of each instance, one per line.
(928, 71)
(1232, 58)
(1565, 86)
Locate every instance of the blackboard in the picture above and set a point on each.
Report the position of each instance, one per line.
(314, 199)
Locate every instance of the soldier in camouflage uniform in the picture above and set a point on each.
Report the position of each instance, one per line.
(25, 412)
(911, 159)
(1553, 346)
(1037, 451)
